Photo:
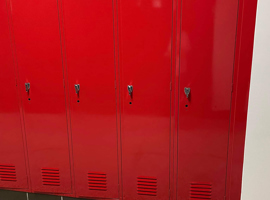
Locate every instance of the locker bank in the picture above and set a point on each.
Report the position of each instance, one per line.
(121, 99)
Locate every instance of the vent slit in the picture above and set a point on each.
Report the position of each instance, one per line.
(147, 185)
(200, 191)
(8, 173)
(50, 176)
(97, 181)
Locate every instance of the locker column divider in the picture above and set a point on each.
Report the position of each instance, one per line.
(175, 94)
(174, 97)
(118, 95)
(12, 40)
(240, 92)
(67, 95)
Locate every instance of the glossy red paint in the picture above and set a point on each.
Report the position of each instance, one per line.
(38, 53)
(152, 144)
(208, 33)
(242, 72)
(145, 37)
(12, 158)
(176, 16)
(90, 63)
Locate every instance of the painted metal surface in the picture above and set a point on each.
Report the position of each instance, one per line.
(241, 77)
(12, 158)
(89, 43)
(145, 29)
(104, 48)
(208, 33)
(37, 42)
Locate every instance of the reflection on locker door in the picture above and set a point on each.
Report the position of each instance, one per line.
(38, 50)
(207, 57)
(145, 56)
(12, 157)
(89, 45)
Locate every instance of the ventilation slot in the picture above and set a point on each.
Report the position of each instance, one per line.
(50, 177)
(147, 185)
(200, 191)
(97, 181)
(7, 173)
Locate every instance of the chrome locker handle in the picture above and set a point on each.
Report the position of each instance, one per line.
(27, 87)
(130, 89)
(77, 88)
(187, 92)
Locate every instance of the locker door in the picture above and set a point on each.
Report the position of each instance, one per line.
(37, 40)
(207, 57)
(145, 55)
(89, 45)
(12, 160)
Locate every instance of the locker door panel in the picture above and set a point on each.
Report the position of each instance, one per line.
(38, 50)
(145, 29)
(206, 67)
(12, 157)
(89, 45)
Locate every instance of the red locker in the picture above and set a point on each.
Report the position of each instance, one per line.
(88, 30)
(38, 51)
(124, 99)
(145, 30)
(208, 32)
(12, 155)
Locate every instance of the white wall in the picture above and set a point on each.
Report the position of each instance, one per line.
(256, 175)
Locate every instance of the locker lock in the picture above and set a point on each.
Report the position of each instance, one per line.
(130, 89)
(77, 88)
(27, 87)
(187, 92)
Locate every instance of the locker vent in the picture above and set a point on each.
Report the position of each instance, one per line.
(97, 181)
(8, 173)
(50, 176)
(200, 191)
(147, 185)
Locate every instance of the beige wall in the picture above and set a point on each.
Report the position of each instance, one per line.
(256, 175)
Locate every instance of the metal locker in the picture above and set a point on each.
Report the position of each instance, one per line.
(38, 51)
(132, 100)
(208, 32)
(145, 36)
(88, 30)
(12, 154)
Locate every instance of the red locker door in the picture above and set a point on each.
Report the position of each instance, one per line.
(207, 57)
(145, 29)
(12, 157)
(38, 50)
(89, 45)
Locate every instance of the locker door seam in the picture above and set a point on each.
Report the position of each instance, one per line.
(118, 115)
(171, 138)
(178, 95)
(18, 92)
(67, 101)
(230, 117)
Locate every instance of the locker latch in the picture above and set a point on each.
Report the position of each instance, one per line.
(187, 91)
(130, 89)
(27, 87)
(77, 88)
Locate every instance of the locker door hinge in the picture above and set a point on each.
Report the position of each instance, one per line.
(16, 82)
(114, 84)
(171, 86)
(232, 88)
